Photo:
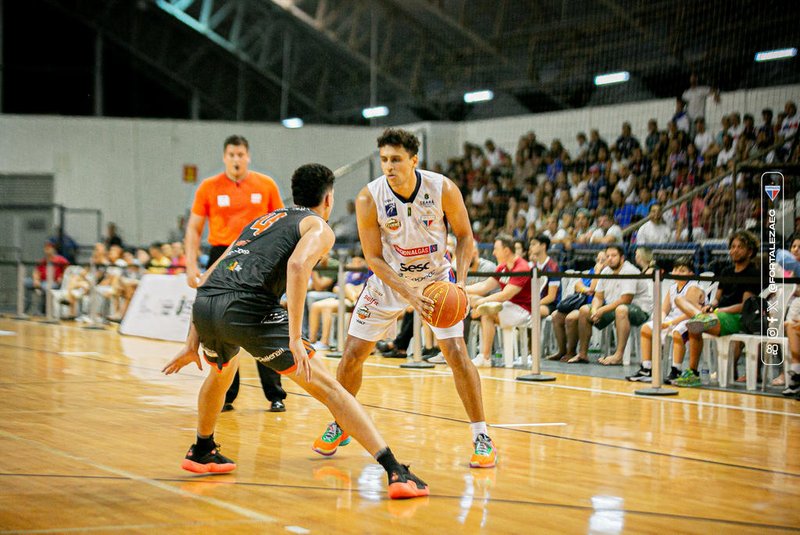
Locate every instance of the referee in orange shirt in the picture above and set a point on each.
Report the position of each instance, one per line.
(231, 200)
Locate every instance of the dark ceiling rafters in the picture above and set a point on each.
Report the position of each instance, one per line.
(229, 54)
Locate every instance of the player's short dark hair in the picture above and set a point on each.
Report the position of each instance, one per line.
(506, 240)
(156, 245)
(684, 261)
(236, 140)
(619, 249)
(310, 183)
(748, 239)
(542, 238)
(397, 137)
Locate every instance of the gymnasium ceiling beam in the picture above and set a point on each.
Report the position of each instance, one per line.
(427, 13)
(340, 25)
(223, 27)
(165, 66)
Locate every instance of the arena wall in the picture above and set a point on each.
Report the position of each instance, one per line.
(131, 169)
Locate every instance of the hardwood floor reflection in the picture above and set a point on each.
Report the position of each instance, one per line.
(92, 438)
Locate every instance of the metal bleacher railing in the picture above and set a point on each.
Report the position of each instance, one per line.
(727, 221)
(581, 256)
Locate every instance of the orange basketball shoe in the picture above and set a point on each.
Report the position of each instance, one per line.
(212, 462)
(485, 455)
(403, 484)
(331, 439)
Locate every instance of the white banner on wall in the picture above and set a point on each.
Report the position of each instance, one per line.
(161, 308)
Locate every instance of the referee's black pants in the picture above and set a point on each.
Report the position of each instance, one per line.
(270, 379)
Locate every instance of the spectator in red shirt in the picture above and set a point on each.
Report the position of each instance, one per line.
(35, 285)
(511, 306)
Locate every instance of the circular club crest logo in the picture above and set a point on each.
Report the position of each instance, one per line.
(393, 223)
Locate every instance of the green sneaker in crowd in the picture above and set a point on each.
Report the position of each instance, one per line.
(702, 323)
(688, 378)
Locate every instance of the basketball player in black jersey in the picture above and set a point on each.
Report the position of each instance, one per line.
(237, 305)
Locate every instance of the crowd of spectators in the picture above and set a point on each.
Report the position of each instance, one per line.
(591, 195)
(105, 285)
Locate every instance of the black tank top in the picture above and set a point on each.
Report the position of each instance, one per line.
(257, 262)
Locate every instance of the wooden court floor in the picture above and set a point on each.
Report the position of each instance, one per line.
(92, 436)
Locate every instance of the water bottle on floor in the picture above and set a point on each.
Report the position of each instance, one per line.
(705, 376)
(497, 360)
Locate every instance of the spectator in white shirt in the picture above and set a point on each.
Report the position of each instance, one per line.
(552, 230)
(681, 119)
(627, 185)
(624, 302)
(703, 139)
(736, 128)
(476, 157)
(479, 194)
(789, 126)
(607, 231)
(579, 185)
(583, 148)
(696, 96)
(728, 151)
(655, 230)
(668, 216)
(494, 154)
(534, 211)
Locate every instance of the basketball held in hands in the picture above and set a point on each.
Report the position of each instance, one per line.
(449, 303)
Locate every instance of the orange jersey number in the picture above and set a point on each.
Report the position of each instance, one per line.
(265, 222)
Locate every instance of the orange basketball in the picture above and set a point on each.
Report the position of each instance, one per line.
(449, 303)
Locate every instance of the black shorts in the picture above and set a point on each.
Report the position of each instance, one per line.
(231, 321)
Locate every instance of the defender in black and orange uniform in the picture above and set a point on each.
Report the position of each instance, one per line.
(230, 201)
(237, 306)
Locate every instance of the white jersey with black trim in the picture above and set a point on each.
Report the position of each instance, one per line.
(413, 230)
(674, 293)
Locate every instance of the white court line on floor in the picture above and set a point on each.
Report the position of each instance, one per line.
(540, 424)
(7, 333)
(568, 387)
(243, 511)
(663, 399)
(551, 384)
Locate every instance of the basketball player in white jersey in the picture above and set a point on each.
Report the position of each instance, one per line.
(402, 223)
(673, 323)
